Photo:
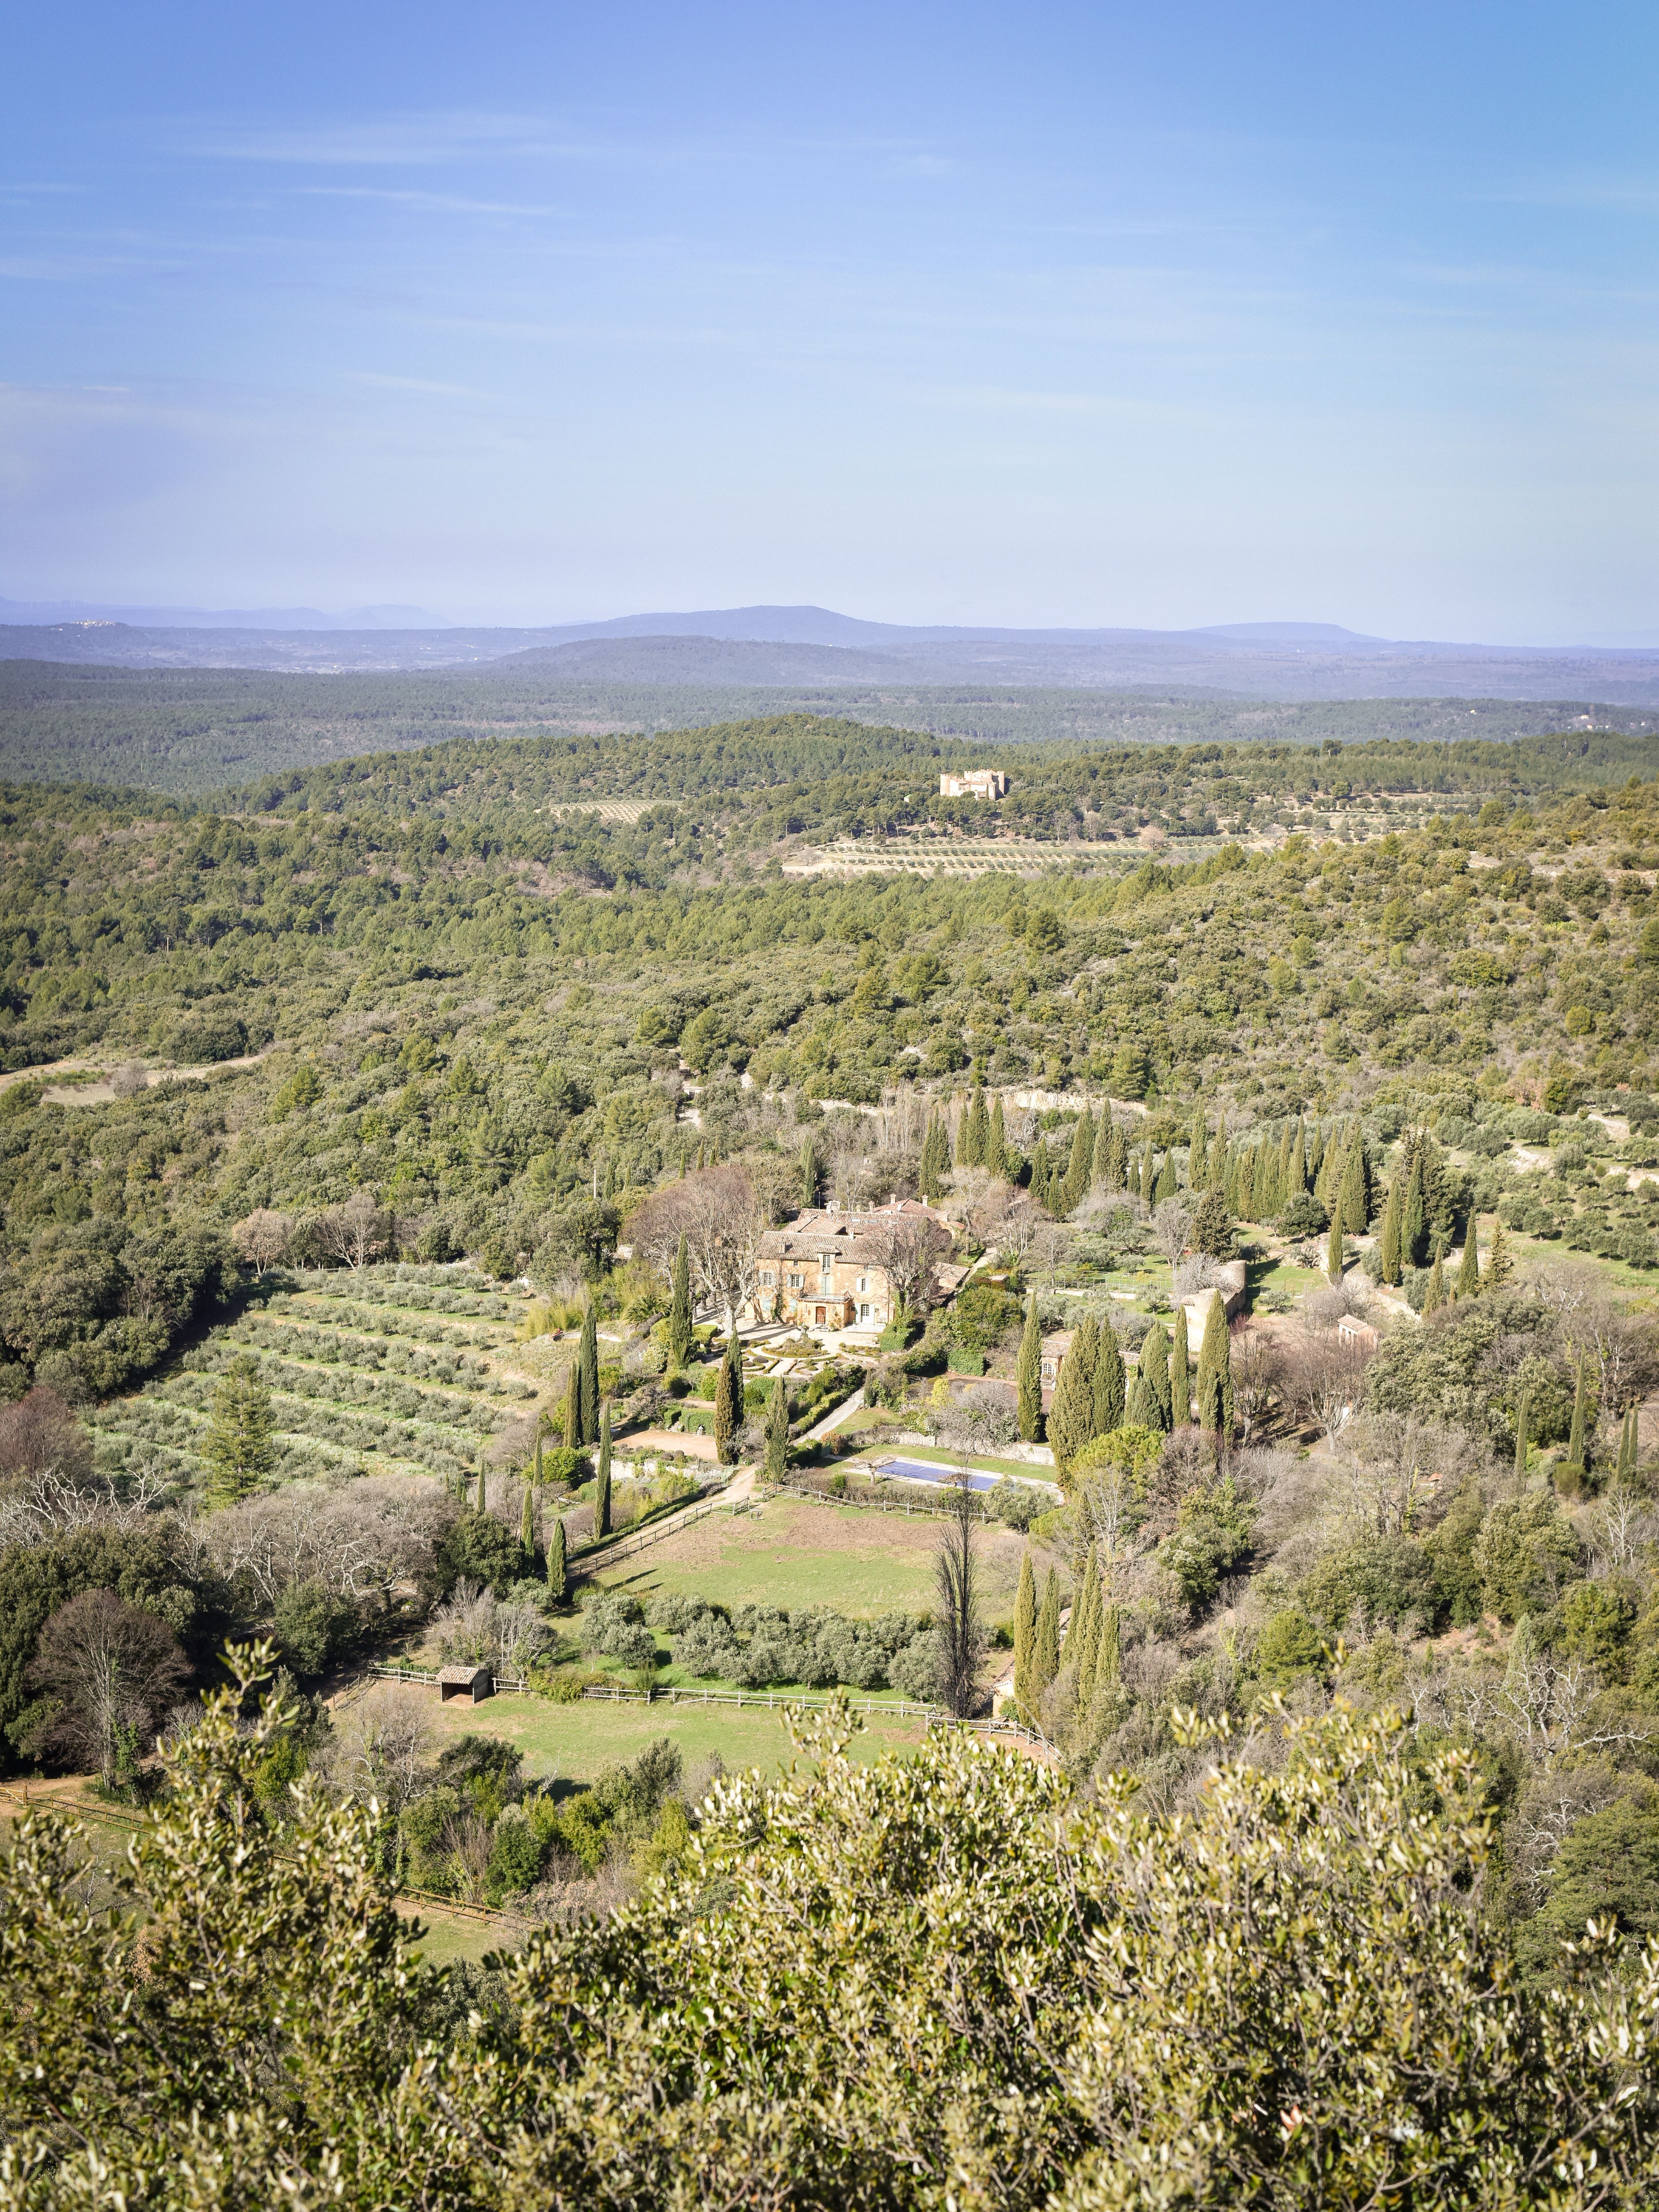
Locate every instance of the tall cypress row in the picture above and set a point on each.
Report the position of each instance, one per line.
(1028, 1374)
(996, 1148)
(1181, 1382)
(1072, 1415)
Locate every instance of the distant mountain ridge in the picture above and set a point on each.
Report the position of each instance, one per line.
(769, 646)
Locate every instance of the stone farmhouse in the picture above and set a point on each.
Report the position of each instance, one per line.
(973, 783)
(824, 1269)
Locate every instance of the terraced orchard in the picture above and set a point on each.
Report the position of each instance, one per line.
(394, 1370)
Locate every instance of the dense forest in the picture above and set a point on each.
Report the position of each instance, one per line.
(197, 731)
(1335, 1880)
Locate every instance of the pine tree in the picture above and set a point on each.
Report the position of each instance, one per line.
(1469, 1272)
(1435, 1296)
(1025, 1614)
(1334, 1248)
(1029, 1376)
(777, 1431)
(1197, 1165)
(572, 1409)
(602, 1484)
(728, 1406)
(558, 1578)
(1155, 1376)
(1166, 1185)
(1072, 1415)
(1523, 1437)
(1391, 1231)
(1215, 1372)
(1045, 1642)
(527, 1530)
(587, 1377)
(238, 1446)
(1499, 1265)
(1080, 1165)
(1110, 1382)
(996, 1149)
(679, 1310)
(1576, 1439)
(1181, 1382)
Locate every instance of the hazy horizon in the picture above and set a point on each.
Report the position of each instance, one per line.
(1088, 319)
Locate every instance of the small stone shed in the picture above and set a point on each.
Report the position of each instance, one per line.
(469, 1682)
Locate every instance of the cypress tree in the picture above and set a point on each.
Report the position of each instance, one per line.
(777, 1431)
(1626, 1469)
(1155, 1376)
(527, 1531)
(1499, 1266)
(1283, 1190)
(680, 1313)
(557, 1573)
(1329, 1181)
(1334, 1248)
(1576, 1439)
(1356, 1195)
(1181, 1382)
(996, 1149)
(1264, 1181)
(1028, 1374)
(1317, 1155)
(1109, 1664)
(1245, 1208)
(975, 1132)
(1215, 1373)
(1166, 1185)
(239, 1447)
(1297, 1179)
(1435, 1296)
(1110, 1382)
(481, 1496)
(1136, 1413)
(587, 1372)
(1197, 1165)
(1072, 1415)
(1146, 1189)
(728, 1406)
(1045, 1643)
(1116, 1174)
(1218, 1157)
(1080, 1165)
(1391, 1231)
(602, 1484)
(573, 1411)
(535, 1461)
(1415, 1218)
(935, 1155)
(1082, 1636)
(1522, 1437)
(1469, 1272)
(1025, 1614)
(809, 1173)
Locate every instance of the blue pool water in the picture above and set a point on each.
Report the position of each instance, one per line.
(921, 1470)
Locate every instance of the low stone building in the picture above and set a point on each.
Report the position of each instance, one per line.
(827, 1269)
(973, 783)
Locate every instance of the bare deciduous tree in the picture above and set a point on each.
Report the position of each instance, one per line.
(262, 1239)
(37, 1509)
(360, 1543)
(908, 1248)
(1321, 1377)
(379, 1745)
(40, 1435)
(722, 1222)
(113, 1670)
(357, 1232)
(1172, 1229)
(1256, 1377)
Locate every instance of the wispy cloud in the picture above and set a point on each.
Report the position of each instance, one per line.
(434, 202)
(396, 141)
(387, 382)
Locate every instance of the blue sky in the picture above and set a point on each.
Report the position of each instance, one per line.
(1060, 314)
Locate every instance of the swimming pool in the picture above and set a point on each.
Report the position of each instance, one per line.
(922, 1470)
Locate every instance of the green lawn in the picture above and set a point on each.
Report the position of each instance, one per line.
(792, 1552)
(979, 1461)
(577, 1742)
